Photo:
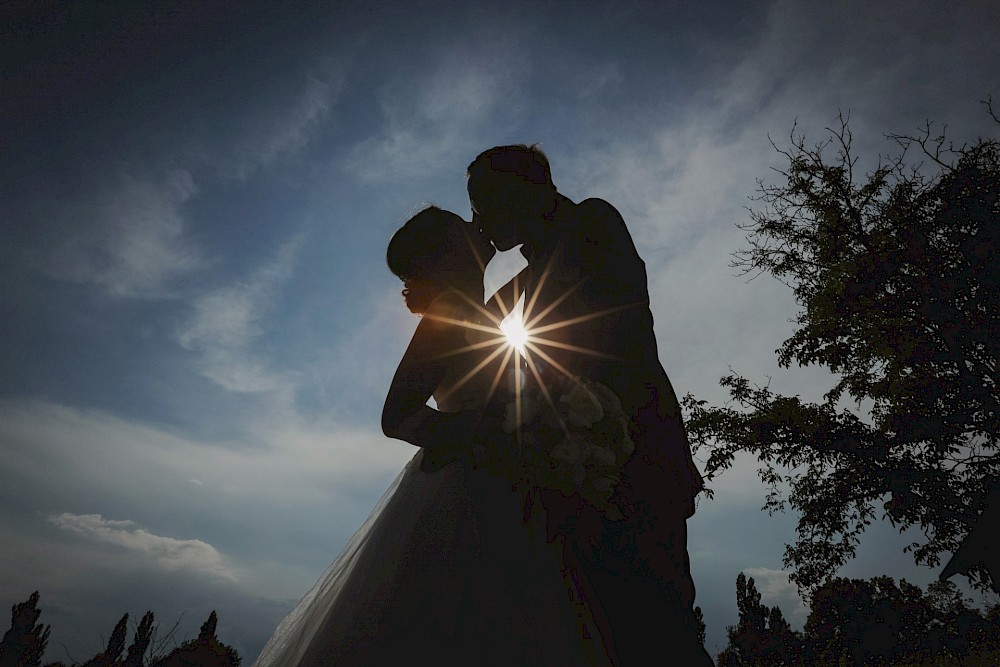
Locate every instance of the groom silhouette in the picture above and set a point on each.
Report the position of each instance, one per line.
(586, 285)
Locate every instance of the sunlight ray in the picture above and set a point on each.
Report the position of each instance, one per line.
(499, 374)
(480, 307)
(555, 304)
(518, 407)
(463, 323)
(473, 372)
(545, 392)
(498, 297)
(572, 348)
(472, 347)
(530, 306)
(552, 362)
(581, 318)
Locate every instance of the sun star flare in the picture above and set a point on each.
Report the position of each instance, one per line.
(516, 333)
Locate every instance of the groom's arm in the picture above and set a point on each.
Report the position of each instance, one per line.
(664, 456)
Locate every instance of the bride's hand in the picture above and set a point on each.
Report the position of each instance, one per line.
(489, 422)
(469, 436)
(489, 441)
(451, 442)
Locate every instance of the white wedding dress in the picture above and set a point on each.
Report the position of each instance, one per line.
(444, 571)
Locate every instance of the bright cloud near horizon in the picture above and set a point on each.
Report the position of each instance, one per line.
(198, 324)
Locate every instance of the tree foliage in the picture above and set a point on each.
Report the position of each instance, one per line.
(205, 651)
(877, 622)
(864, 622)
(896, 277)
(762, 637)
(24, 643)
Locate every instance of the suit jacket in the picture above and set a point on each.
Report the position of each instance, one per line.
(587, 301)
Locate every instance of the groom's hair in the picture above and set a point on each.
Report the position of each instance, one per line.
(528, 162)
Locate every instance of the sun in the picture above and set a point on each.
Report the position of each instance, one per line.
(520, 339)
(514, 330)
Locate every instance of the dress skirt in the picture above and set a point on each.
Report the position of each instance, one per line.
(444, 571)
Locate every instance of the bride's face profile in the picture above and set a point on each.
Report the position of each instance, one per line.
(418, 293)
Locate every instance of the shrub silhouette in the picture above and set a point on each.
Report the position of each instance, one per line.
(24, 644)
(205, 651)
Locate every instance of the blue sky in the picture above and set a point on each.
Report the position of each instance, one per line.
(198, 325)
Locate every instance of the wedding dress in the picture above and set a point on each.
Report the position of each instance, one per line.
(444, 571)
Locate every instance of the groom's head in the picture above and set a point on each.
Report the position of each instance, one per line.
(511, 191)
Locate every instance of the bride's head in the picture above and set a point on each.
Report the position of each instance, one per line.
(435, 250)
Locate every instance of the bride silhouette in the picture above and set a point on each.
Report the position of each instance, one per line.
(446, 569)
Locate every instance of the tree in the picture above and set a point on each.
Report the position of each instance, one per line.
(896, 278)
(699, 617)
(876, 622)
(855, 619)
(116, 645)
(140, 641)
(24, 644)
(205, 651)
(762, 637)
(112, 655)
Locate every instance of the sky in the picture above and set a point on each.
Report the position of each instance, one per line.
(198, 327)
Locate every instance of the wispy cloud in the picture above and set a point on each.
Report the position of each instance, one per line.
(299, 488)
(132, 241)
(272, 134)
(168, 553)
(228, 320)
(79, 453)
(133, 237)
(432, 124)
(602, 79)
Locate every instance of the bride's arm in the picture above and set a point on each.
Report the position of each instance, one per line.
(406, 415)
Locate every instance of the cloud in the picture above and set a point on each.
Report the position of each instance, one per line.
(433, 124)
(87, 458)
(167, 552)
(272, 134)
(132, 241)
(266, 517)
(228, 320)
(602, 79)
(87, 582)
(683, 183)
(263, 519)
(132, 238)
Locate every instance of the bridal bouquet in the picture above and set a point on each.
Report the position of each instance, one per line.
(575, 440)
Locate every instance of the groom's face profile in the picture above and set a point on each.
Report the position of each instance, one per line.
(501, 206)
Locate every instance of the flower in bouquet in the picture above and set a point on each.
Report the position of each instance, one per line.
(572, 435)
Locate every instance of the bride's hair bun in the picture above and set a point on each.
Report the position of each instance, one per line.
(436, 242)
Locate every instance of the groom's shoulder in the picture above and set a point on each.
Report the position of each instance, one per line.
(599, 213)
(599, 223)
(598, 207)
